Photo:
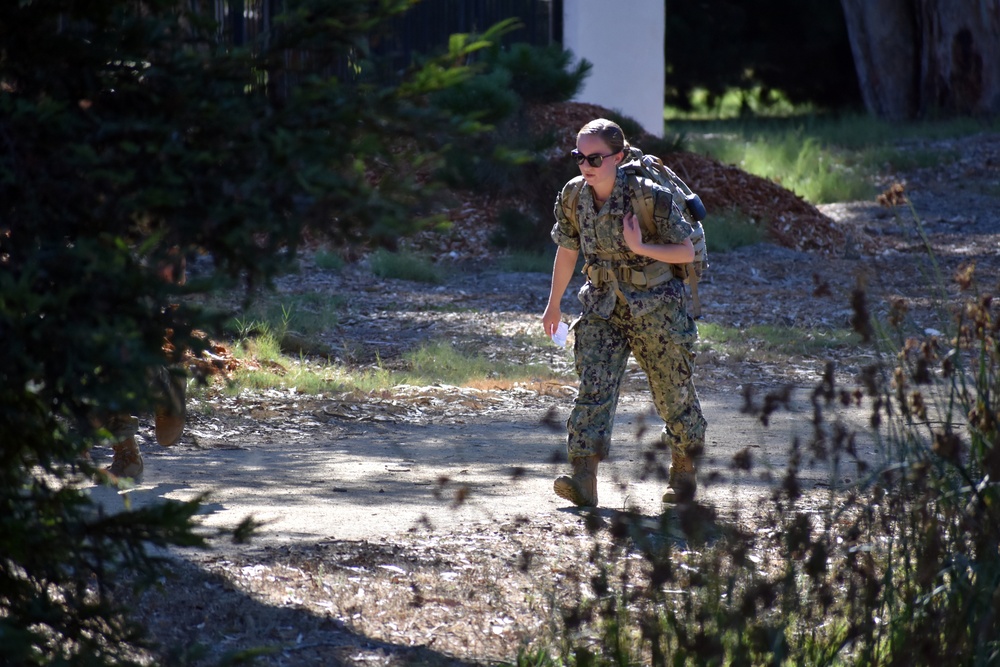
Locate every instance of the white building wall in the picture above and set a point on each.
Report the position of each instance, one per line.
(623, 39)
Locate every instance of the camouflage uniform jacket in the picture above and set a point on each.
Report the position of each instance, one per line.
(600, 232)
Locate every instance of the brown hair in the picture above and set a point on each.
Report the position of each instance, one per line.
(608, 131)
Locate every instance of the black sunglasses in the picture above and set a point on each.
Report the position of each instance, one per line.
(595, 159)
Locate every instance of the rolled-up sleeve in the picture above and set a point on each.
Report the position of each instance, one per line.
(565, 232)
(670, 223)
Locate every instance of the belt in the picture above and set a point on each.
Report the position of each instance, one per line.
(651, 275)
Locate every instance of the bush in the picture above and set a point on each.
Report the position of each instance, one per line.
(506, 80)
(537, 184)
(515, 230)
(487, 97)
(541, 75)
(488, 166)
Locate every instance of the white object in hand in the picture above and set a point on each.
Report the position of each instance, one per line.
(559, 337)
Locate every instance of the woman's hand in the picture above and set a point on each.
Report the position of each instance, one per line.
(671, 253)
(550, 319)
(632, 231)
(562, 273)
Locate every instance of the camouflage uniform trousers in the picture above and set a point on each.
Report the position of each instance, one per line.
(662, 342)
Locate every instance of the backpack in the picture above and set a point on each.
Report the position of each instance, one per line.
(639, 167)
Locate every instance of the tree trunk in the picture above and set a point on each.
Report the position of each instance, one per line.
(883, 40)
(922, 58)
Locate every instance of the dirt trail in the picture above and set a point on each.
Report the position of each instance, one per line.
(374, 480)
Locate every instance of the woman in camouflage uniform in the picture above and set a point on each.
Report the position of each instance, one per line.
(632, 304)
(168, 385)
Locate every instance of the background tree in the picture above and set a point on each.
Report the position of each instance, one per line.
(130, 135)
(798, 47)
(929, 57)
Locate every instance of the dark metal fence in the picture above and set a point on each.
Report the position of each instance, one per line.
(244, 22)
(423, 29)
(426, 27)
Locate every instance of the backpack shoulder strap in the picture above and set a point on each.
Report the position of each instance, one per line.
(642, 201)
(570, 196)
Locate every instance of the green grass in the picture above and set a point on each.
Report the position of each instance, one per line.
(307, 381)
(527, 262)
(405, 265)
(729, 230)
(823, 158)
(435, 308)
(266, 367)
(329, 261)
(767, 341)
(847, 129)
(735, 105)
(442, 362)
(803, 164)
(307, 313)
(262, 348)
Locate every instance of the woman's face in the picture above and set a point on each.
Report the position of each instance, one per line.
(602, 177)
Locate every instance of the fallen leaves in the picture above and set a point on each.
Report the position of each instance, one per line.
(217, 360)
(364, 602)
(438, 403)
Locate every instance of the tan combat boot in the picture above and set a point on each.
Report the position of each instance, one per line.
(127, 461)
(581, 488)
(171, 412)
(681, 485)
